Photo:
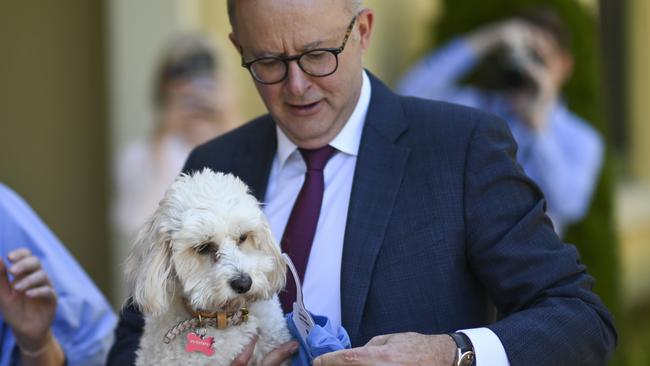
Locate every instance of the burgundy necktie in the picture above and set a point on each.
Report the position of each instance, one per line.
(301, 226)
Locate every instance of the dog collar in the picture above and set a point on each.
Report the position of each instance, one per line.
(201, 319)
(221, 319)
(218, 319)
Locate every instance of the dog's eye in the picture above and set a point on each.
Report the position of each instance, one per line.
(206, 248)
(242, 238)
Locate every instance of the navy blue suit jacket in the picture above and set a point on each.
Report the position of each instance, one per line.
(442, 222)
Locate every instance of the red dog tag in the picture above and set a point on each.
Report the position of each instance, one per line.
(197, 344)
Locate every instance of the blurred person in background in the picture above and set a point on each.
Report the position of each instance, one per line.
(51, 313)
(193, 104)
(518, 68)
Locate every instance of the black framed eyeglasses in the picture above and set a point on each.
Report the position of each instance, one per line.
(318, 62)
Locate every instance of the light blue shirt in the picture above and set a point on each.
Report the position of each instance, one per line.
(84, 320)
(564, 159)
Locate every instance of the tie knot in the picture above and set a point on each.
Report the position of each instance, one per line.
(315, 159)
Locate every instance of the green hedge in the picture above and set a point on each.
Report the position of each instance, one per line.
(595, 236)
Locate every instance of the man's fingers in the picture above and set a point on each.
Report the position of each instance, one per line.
(280, 354)
(32, 280)
(43, 293)
(247, 353)
(273, 358)
(24, 266)
(18, 254)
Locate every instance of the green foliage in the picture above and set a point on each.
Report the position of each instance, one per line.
(595, 236)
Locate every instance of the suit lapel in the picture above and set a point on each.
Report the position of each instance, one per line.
(377, 178)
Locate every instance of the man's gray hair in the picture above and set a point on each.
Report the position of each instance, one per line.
(353, 6)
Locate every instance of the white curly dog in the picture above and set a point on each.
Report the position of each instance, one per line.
(205, 271)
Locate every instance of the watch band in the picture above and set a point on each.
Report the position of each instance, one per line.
(464, 349)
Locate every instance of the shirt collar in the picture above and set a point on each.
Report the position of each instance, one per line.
(348, 139)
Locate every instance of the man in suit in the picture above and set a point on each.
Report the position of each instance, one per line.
(426, 219)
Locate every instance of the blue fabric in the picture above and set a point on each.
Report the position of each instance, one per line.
(564, 159)
(441, 221)
(322, 339)
(84, 320)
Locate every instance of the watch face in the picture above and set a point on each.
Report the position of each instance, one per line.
(466, 359)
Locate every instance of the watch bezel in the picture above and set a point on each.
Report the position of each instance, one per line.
(464, 358)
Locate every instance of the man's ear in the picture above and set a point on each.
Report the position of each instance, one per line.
(562, 68)
(568, 63)
(234, 42)
(366, 18)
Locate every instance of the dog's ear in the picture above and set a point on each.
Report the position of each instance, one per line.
(277, 278)
(149, 268)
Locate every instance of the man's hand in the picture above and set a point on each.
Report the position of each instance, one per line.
(396, 349)
(533, 107)
(273, 358)
(27, 303)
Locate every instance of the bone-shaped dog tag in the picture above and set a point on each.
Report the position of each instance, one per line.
(301, 317)
(196, 343)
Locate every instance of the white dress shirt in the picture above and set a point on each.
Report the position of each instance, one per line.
(322, 283)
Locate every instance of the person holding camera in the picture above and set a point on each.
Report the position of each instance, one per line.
(517, 68)
(192, 104)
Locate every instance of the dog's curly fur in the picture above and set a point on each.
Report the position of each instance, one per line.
(207, 232)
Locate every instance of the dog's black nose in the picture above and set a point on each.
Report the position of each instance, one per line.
(241, 283)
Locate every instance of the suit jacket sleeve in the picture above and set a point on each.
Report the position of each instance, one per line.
(127, 337)
(536, 281)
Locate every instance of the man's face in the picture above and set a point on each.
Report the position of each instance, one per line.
(310, 110)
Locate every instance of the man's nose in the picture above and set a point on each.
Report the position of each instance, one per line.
(297, 81)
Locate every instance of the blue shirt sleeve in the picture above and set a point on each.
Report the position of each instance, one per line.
(437, 76)
(84, 320)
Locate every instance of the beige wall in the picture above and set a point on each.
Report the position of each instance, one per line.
(52, 120)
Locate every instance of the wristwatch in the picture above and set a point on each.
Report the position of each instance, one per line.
(464, 350)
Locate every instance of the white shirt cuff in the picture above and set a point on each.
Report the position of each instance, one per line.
(487, 347)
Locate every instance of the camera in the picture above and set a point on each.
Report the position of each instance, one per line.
(507, 68)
